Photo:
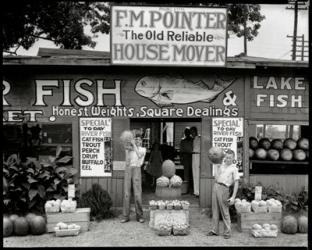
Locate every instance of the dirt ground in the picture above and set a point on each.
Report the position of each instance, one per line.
(111, 232)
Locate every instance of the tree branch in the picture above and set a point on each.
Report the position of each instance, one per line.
(42, 37)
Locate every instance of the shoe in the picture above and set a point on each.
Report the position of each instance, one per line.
(212, 233)
(141, 220)
(227, 236)
(124, 220)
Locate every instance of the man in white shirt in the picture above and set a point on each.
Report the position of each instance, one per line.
(226, 175)
(134, 160)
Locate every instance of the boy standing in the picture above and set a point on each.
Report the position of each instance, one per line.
(134, 159)
(225, 176)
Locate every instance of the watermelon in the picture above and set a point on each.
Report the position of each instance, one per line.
(37, 225)
(21, 226)
(7, 226)
(13, 217)
(29, 216)
(175, 181)
(253, 142)
(299, 155)
(162, 181)
(168, 168)
(303, 143)
(303, 224)
(289, 225)
(216, 155)
(286, 154)
(264, 143)
(290, 143)
(277, 144)
(273, 154)
(251, 153)
(261, 153)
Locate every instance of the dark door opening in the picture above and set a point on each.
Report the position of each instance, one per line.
(168, 133)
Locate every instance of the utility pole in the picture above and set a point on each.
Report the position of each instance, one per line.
(295, 6)
(301, 46)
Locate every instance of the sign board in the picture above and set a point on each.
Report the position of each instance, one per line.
(258, 193)
(225, 135)
(179, 36)
(71, 191)
(95, 146)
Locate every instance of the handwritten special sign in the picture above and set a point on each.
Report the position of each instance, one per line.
(145, 35)
(93, 134)
(225, 133)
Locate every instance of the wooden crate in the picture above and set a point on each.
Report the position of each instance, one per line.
(168, 193)
(80, 217)
(158, 214)
(245, 221)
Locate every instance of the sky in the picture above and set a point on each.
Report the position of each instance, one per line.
(271, 42)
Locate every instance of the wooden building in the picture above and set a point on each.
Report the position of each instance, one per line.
(58, 89)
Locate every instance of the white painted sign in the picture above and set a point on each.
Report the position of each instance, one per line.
(225, 133)
(94, 133)
(145, 35)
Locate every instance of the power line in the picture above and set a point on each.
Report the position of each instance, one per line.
(295, 5)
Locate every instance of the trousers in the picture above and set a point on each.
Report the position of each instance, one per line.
(132, 178)
(195, 169)
(220, 195)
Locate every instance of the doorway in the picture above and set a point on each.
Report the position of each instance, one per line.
(168, 133)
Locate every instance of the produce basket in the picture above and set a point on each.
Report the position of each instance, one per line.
(181, 229)
(163, 230)
(66, 232)
(243, 208)
(70, 207)
(153, 205)
(262, 233)
(185, 205)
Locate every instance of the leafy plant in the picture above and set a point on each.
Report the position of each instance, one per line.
(30, 184)
(98, 200)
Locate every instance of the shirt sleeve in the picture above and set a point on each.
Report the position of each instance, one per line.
(235, 174)
(142, 152)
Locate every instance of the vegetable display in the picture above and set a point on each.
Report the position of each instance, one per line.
(270, 205)
(289, 224)
(278, 149)
(169, 204)
(303, 224)
(7, 226)
(264, 231)
(168, 168)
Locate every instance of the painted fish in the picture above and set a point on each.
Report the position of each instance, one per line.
(166, 90)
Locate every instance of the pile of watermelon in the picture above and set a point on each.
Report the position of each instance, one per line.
(23, 225)
(291, 225)
(169, 178)
(278, 149)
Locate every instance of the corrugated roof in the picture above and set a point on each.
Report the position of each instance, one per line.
(66, 57)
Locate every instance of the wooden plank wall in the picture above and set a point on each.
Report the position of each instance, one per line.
(113, 185)
(288, 183)
(206, 178)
